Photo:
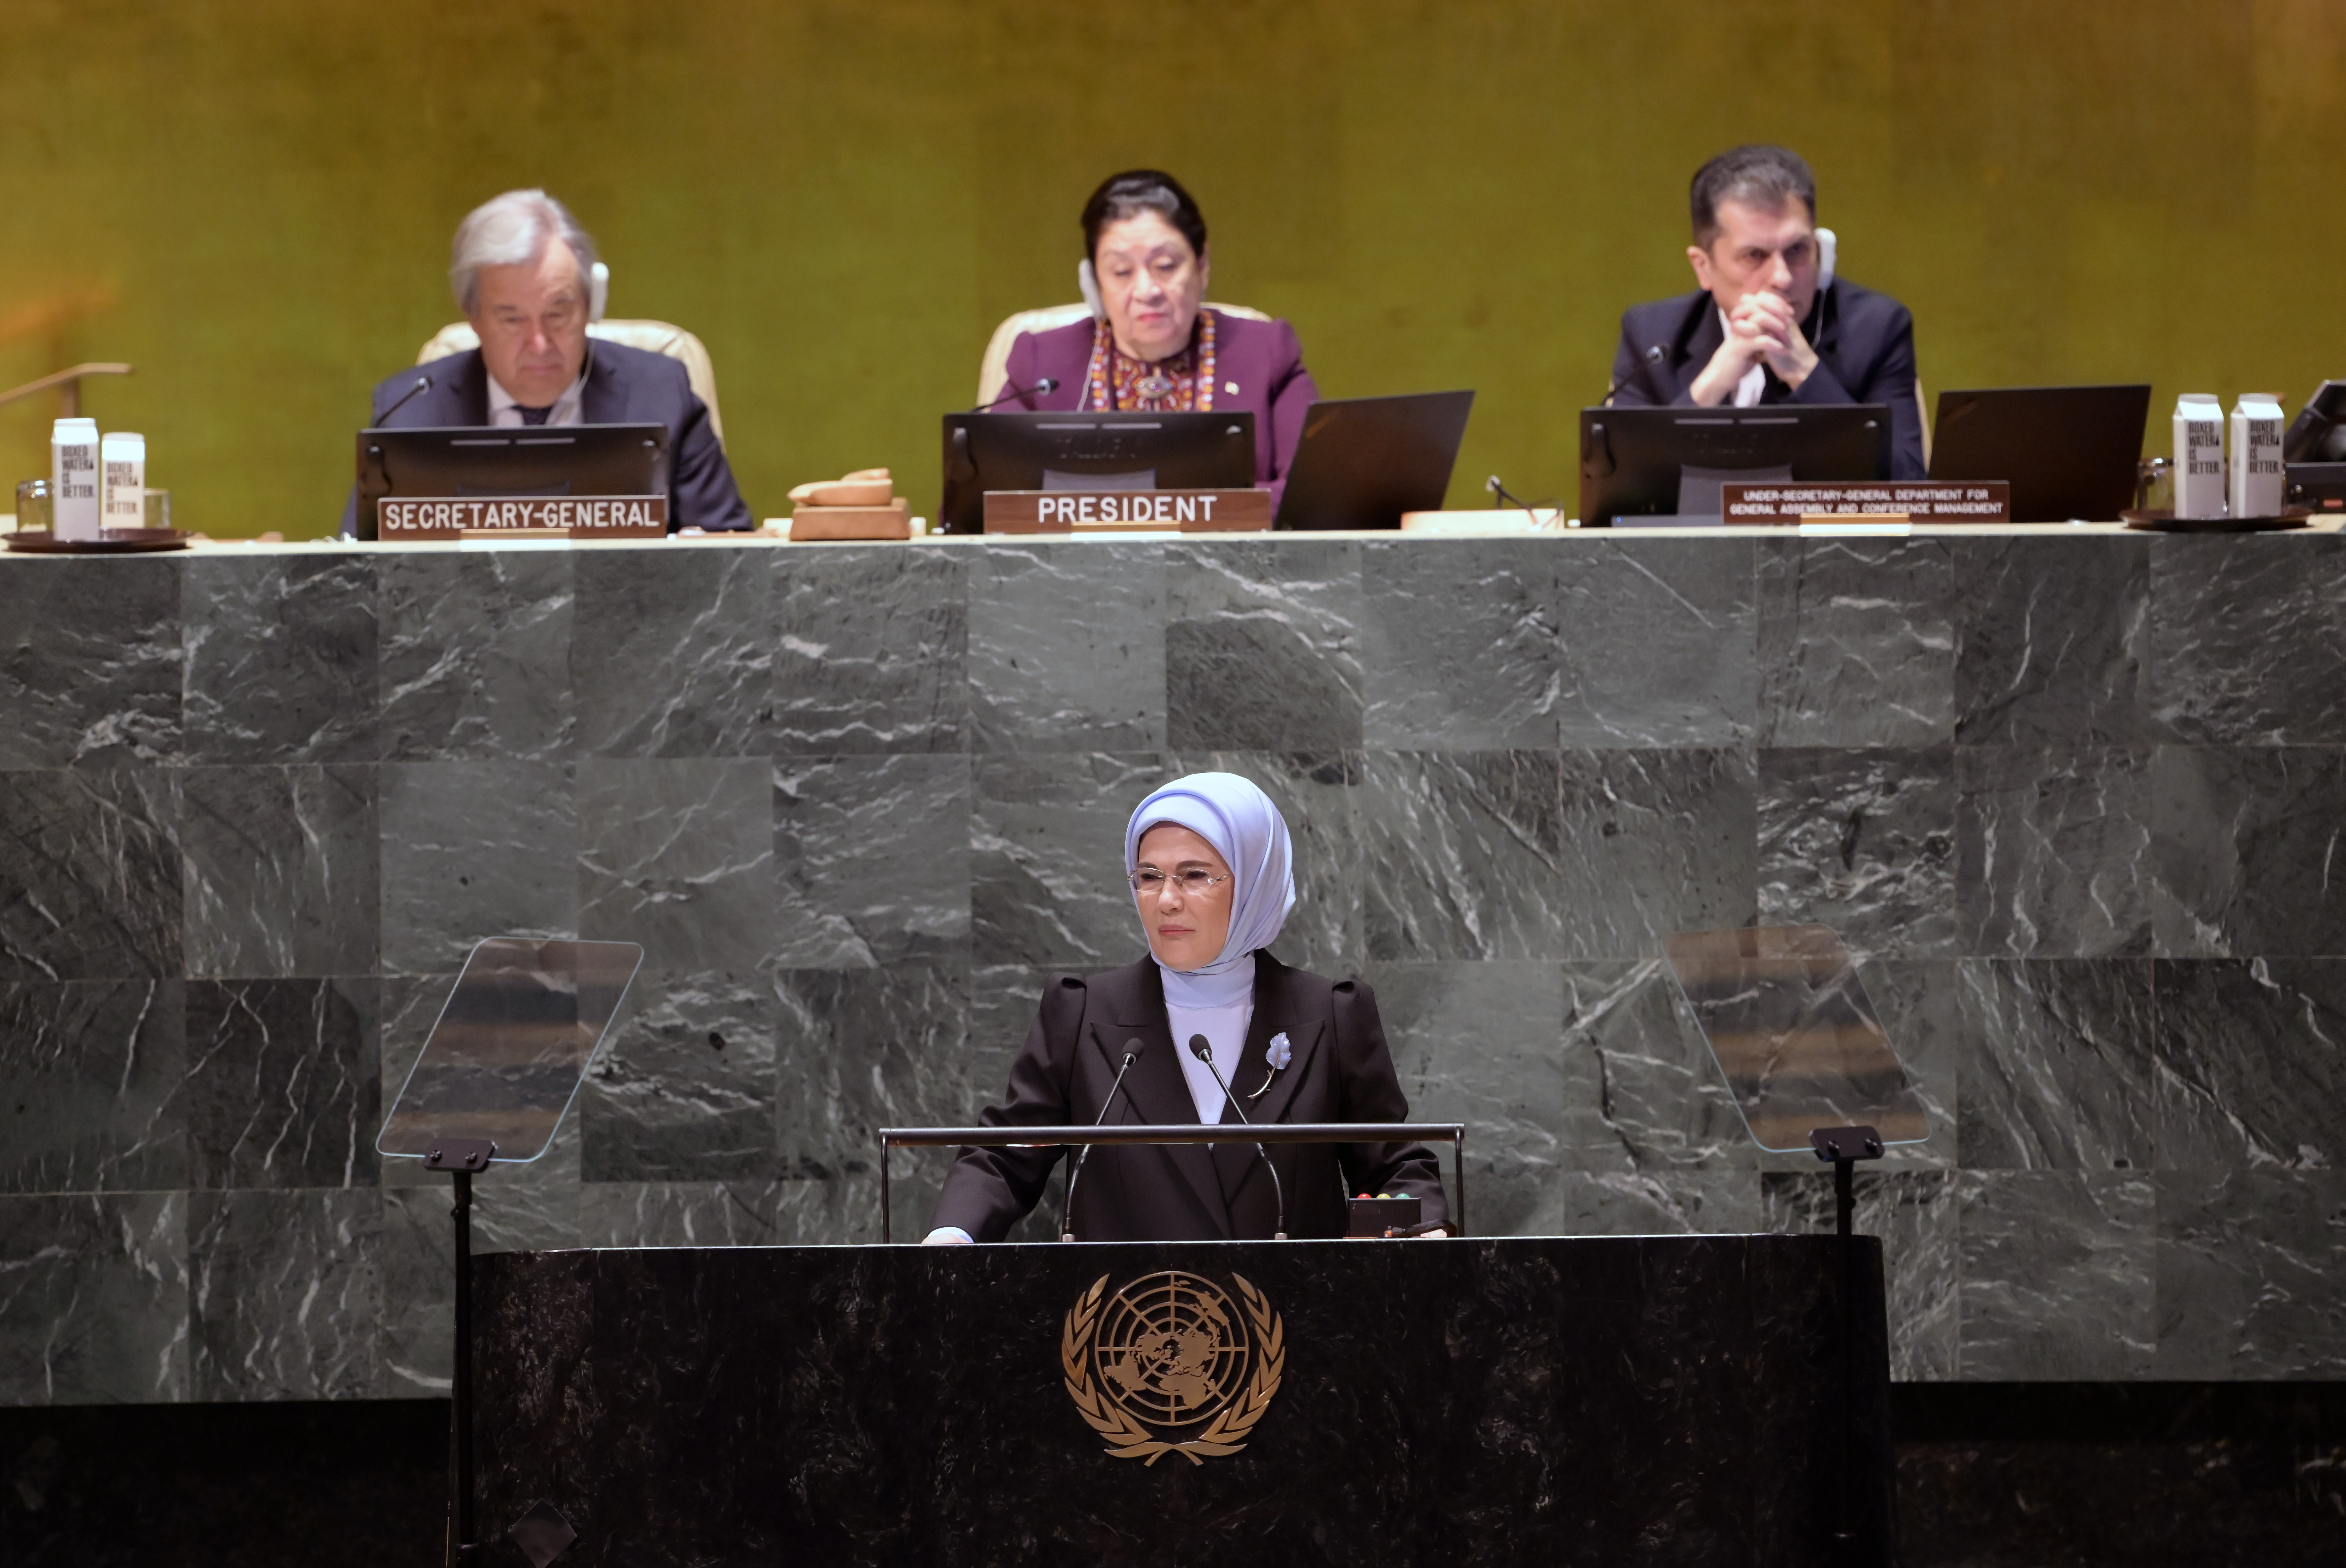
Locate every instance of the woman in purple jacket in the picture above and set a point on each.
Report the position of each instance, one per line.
(1152, 344)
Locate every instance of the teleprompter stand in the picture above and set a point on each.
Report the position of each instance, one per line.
(1809, 1066)
(502, 1065)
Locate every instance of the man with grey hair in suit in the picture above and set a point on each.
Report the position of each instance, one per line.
(524, 272)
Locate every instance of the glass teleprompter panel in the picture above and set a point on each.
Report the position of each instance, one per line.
(1794, 1034)
(511, 1046)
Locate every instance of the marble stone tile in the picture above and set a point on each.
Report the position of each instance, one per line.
(2053, 852)
(94, 1299)
(1659, 1202)
(2248, 640)
(1458, 646)
(1315, 792)
(845, 1210)
(873, 854)
(1856, 642)
(1065, 655)
(1480, 1043)
(681, 1214)
(2057, 1065)
(280, 870)
(414, 1260)
(1914, 1212)
(2056, 1275)
(871, 651)
(1653, 843)
(2052, 639)
(90, 661)
(1462, 855)
(678, 855)
(2251, 1064)
(538, 1207)
(475, 849)
(1642, 1096)
(676, 659)
(1046, 858)
(474, 659)
(93, 1071)
(859, 1050)
(2251, 1274)
(282, 1085)
(1004, 999)
(1262, 645)
(2245, 843)
(1862, 842)
(1658, 643)
(89, 875)
(280, 658)
(285, 1294)
(684, 1087)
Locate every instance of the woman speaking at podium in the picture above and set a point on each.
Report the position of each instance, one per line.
(1153, 343)
(1211, 872)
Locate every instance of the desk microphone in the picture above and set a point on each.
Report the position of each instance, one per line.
(1132, 1053)
(1653, 356)
(1204, 1052)
(1048, 383)
(422, 384)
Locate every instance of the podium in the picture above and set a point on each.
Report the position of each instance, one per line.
(1603, 1400)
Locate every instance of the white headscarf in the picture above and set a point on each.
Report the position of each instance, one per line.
(1247, 831)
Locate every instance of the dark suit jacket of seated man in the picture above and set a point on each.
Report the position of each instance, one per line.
(1865, 354)
(624, 386)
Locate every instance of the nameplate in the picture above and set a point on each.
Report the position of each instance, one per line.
(1126, 511)
(1912, 500)
(579, 517)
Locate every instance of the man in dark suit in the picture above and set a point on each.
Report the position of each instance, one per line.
(521, 269)
(1770, 324)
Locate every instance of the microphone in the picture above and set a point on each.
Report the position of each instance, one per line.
(1048, 383)
(1653, 356)
(1204, 1052)
(422, 384)
(1132, 1049)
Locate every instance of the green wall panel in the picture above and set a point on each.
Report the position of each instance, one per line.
(252, 201)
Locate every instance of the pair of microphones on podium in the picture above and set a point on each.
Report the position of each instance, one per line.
(1203, 1051)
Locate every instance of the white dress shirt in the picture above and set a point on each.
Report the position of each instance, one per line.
(504, 410)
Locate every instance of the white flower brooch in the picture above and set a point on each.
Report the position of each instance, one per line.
(1280, 1053)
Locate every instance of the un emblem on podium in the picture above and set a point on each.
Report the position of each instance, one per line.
(1171, 1365)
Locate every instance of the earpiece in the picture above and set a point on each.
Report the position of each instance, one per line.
(599, 292)
(1088, 282)
(1828, 244)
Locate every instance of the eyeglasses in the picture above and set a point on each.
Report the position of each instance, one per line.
(1193, 882)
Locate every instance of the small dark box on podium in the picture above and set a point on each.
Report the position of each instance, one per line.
(1380, 1216)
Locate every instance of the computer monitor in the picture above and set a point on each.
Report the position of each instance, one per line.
(532, 459)
(2066, 451)
(1670, 461)
(1125, 451)
(2318, 433)
(1363, 462)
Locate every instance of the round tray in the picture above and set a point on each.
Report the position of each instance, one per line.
(2162, 520)
(109, 542)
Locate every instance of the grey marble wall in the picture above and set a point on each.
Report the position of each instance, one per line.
(2078, 799)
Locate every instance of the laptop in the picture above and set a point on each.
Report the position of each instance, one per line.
(2066, 451)
(1365, 461)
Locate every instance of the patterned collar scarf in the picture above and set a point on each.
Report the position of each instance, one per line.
(1184, 382)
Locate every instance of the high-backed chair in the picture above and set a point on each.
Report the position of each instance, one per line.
(992, 372)
(652, 337)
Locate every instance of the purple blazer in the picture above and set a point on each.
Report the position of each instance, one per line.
(1261, 358)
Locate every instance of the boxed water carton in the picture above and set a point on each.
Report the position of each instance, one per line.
(2199, 456)
(2256, 480)
(73, 480)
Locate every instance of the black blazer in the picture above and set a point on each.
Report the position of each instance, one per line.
(1340, 1072)
(624, 386)
(1865, 354)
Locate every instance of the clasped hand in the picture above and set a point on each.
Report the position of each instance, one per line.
(1761, 328)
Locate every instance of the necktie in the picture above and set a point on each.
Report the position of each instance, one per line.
(533, 415)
